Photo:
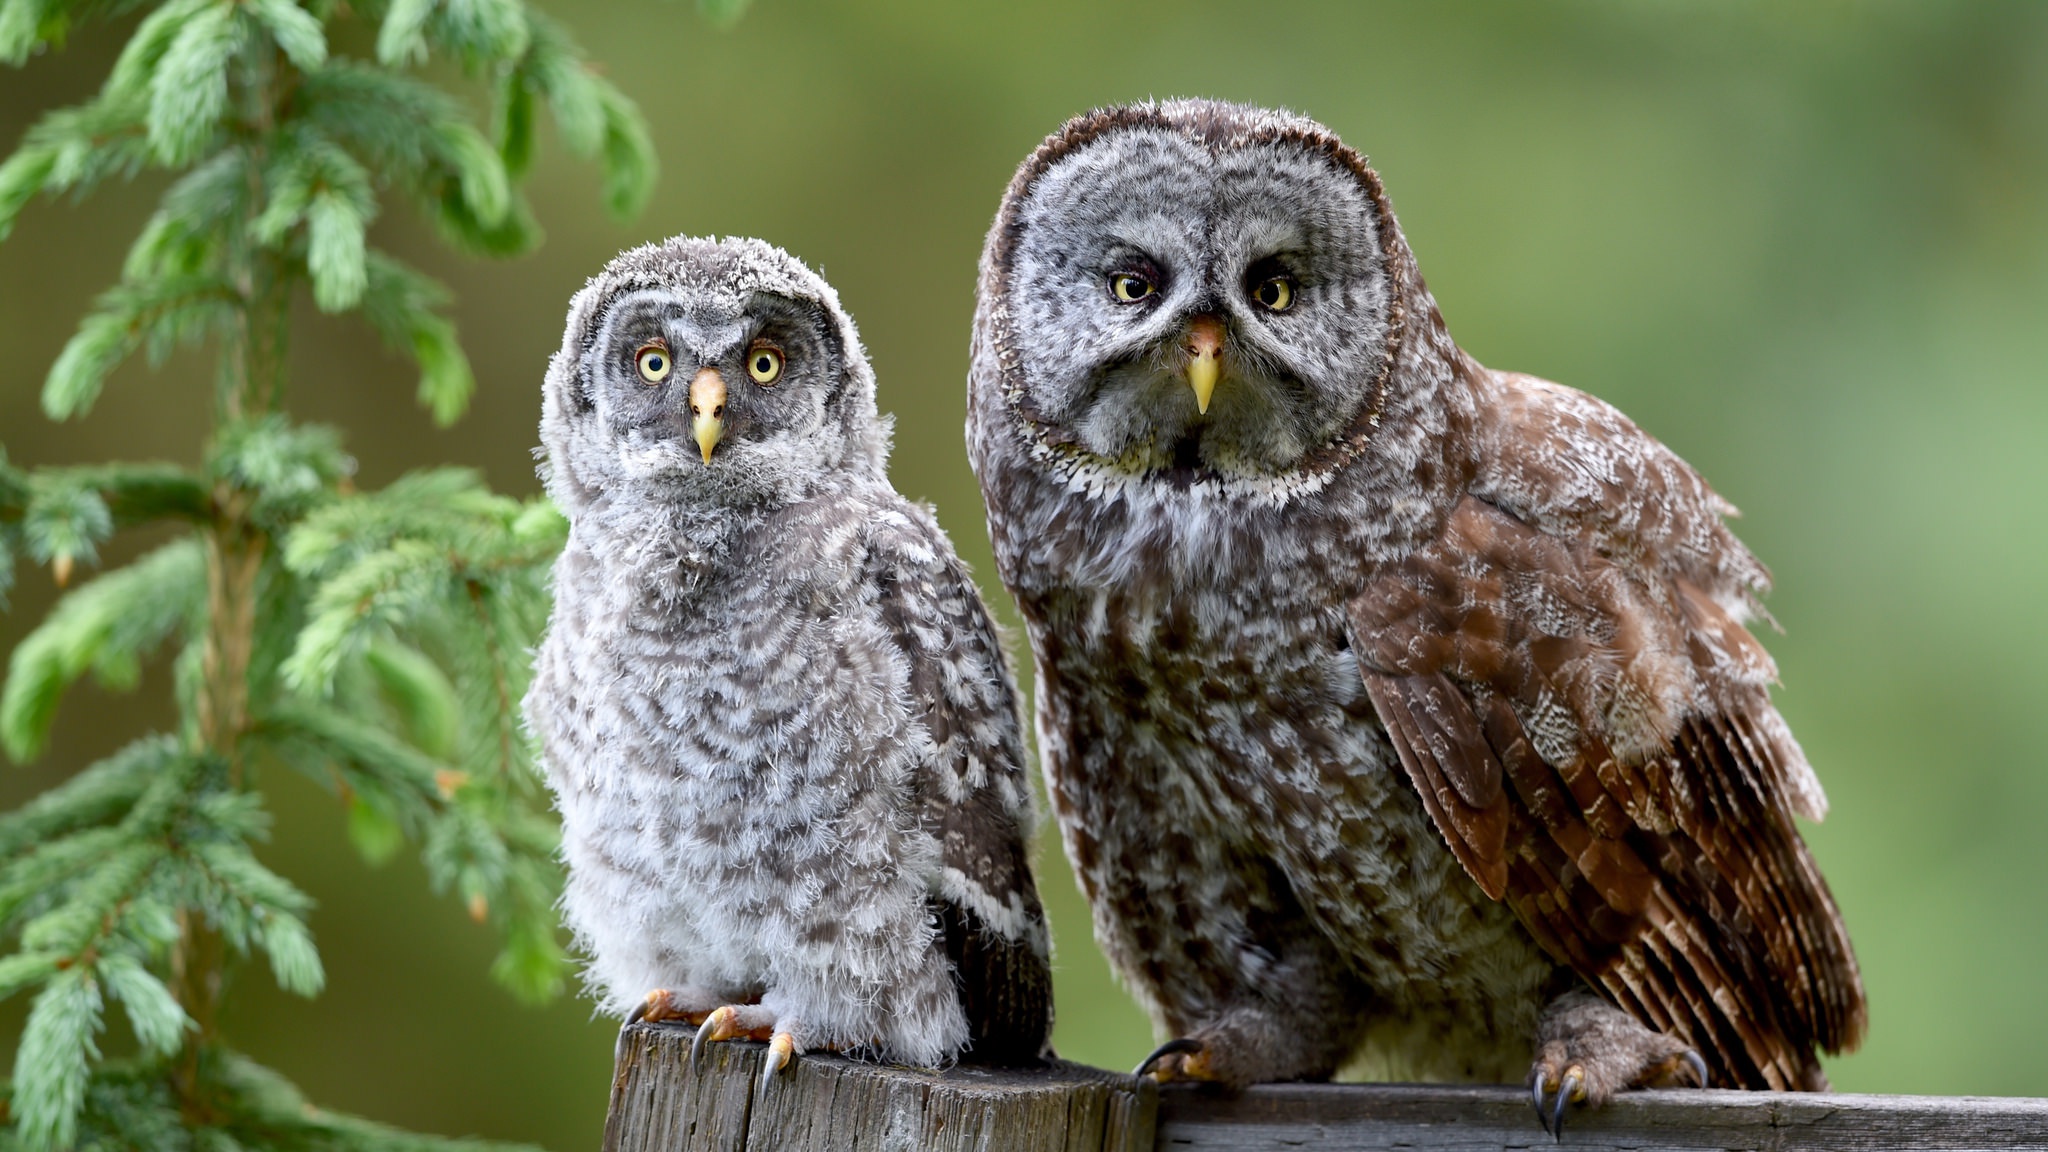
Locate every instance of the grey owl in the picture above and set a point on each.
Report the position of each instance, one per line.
(775, 714)
(1397, 713)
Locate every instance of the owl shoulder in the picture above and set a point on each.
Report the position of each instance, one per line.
(1573, 465)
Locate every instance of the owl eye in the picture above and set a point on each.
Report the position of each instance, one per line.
(1130, 288)
(1275, 294)
(764, 365)
(653, 362)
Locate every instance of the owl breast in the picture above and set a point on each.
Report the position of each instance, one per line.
(1228, 793)
(732, 751)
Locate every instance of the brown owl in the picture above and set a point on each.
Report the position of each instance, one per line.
(1398, 713)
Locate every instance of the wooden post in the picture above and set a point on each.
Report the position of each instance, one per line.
(825, 1102)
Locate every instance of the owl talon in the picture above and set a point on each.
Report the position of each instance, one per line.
(1570, 1090)
(661, 1004)
(781, 1048)
(731, 1022)
(1550, 1111)
(716, 1026)
(1182, 1058)
(1694, 1061)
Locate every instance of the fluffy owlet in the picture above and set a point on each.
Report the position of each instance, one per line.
(1397, 712)
(774, 712)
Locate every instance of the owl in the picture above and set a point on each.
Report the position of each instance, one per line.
(774, 713)
(1398, 714)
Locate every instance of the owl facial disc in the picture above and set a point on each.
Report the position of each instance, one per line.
(1148, 264)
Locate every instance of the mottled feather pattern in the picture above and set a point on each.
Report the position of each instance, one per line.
(1368, 756)
(776, 718)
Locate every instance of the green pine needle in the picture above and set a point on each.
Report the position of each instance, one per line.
(295, 31)
(293, 960)
(188, 88)
(629, 164)
(99, 795)
(105, 627)
(20, 30)
(335, 258)
(417, 689)
(159, 1023)
(156, 314)
(402, 38)
(22, 176)
(51, 1066)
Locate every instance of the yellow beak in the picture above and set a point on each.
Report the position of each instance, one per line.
(707, 409)
(1205, 358)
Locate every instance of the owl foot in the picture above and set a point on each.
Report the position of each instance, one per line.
(687, 1005)
(749, 1022)
(1182, 1058)
(1587, 1050)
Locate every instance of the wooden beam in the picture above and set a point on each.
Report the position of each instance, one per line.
(825, 1102)
(1416, 1116)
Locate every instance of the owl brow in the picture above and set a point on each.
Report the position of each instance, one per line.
(794, 324)
(636, 322)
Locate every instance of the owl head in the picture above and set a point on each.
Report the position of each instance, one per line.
(1193, 290)
(720, 372)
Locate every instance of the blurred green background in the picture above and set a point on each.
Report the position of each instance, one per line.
(1805, 245)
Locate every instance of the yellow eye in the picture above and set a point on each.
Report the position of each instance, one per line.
(1275, 295)
(653, 363)
(764, 365)
(1130, 289)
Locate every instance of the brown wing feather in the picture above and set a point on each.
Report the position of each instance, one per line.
(1644, 835)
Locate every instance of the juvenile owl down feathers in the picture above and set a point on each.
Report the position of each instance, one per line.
(774, 713)
(1389, 705)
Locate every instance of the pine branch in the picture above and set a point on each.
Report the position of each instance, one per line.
(404, 307)
(376, 641)
(156, 315)
(98, 795)
(420, 137)
(74, 149)
(594, 117)
(141, 493)
(282, 470)
(104, 627)
(370, 759)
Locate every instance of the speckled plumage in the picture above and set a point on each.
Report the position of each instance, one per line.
(774, 712)
(1393, 700)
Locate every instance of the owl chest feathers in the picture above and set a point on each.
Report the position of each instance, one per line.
(1215, 695)
(729, 735)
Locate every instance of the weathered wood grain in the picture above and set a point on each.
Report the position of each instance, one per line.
(825, 1102)
(1471, 1119)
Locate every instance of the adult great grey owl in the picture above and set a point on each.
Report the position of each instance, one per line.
(775, 714)
(1395, 711)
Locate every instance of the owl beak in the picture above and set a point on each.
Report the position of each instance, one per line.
(707, 409)
(1205, 358)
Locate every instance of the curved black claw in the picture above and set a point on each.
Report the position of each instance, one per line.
(1550, 1110)
(1178, 1046)
(781, 1049)
(705, 1031)
(1698, 1066)
(638, 1014)
(1572, 1086)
